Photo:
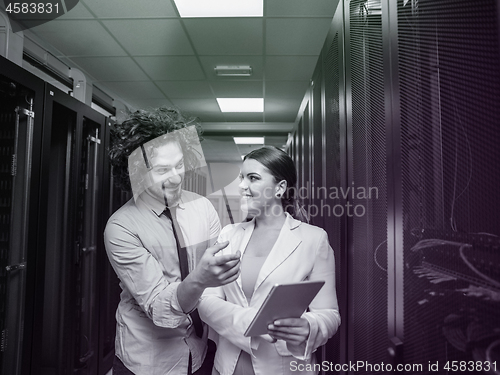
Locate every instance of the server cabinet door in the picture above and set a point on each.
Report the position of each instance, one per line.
(21, 108)
(16, 138)
(334, 172)
(67, 304)
(86, 246)
(366, 206)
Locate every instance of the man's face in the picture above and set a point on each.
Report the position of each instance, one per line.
(167, 173)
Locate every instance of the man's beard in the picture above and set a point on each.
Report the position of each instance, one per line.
(172, 196)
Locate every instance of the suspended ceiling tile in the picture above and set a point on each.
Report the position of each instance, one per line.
(290, 68)
(286, 89)
(281, 105)
(171, 67)
(79, 38)
(289, 116)
(197, 105)
(210, 62)
(185, 89)
(300, 8)
(111, 68)
(131, 8)
(284, 110)
(221, 36)
(150, 103)
(286, 36)
(277, 141)
(237, 89)
(136, 90)
(79, 11)
(150, 37)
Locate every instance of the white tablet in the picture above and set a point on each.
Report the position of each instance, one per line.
(283, 301)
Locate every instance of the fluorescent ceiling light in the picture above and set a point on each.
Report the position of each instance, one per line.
(241, 104)
(220, 8)
(249, 140)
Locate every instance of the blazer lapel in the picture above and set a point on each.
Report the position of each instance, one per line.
(285, 245)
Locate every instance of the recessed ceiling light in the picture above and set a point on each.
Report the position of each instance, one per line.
(241, 104)
(220, 8)
(249, 140)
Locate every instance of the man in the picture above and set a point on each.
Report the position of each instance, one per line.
(150, 153)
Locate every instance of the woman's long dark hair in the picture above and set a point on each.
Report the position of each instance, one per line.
(282, 167)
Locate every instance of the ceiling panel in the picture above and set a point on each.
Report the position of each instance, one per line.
(150, 37)
(318, 8)
(290, 68)
(136, 90)
(208, 116)
(287, 37)
(150, 103)
(226, 36)
(194, 105)
(111, 68)
(171, 68)
(286, 89)
(237, 89)
(131, 9)
(79, 38)
(289, 116)
(79, 11)
(281, 105)
(185, 89)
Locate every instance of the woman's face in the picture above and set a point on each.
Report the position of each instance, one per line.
(258, 189)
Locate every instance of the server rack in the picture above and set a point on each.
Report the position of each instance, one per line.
(71, 226)
(414, 87)
(21, 108)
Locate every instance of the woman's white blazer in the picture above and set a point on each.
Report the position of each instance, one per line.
(301, 252)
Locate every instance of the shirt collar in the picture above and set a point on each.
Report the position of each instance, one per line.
(155, 205)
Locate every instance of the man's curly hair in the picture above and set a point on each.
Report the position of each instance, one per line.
(143, 126)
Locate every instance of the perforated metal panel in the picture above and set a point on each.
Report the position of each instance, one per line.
(449, 64)
(367, 183)
(7, 130)
(16, 145)
(332, 178)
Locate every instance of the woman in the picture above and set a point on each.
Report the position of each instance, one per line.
(276, 248)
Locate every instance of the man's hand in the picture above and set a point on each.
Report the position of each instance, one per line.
(215, 270)
(211, 271)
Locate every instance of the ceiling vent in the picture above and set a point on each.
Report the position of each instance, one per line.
(233, 70)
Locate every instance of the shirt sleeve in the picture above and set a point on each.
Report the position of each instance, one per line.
(323, 315)
(215, 226)
(142, 276)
